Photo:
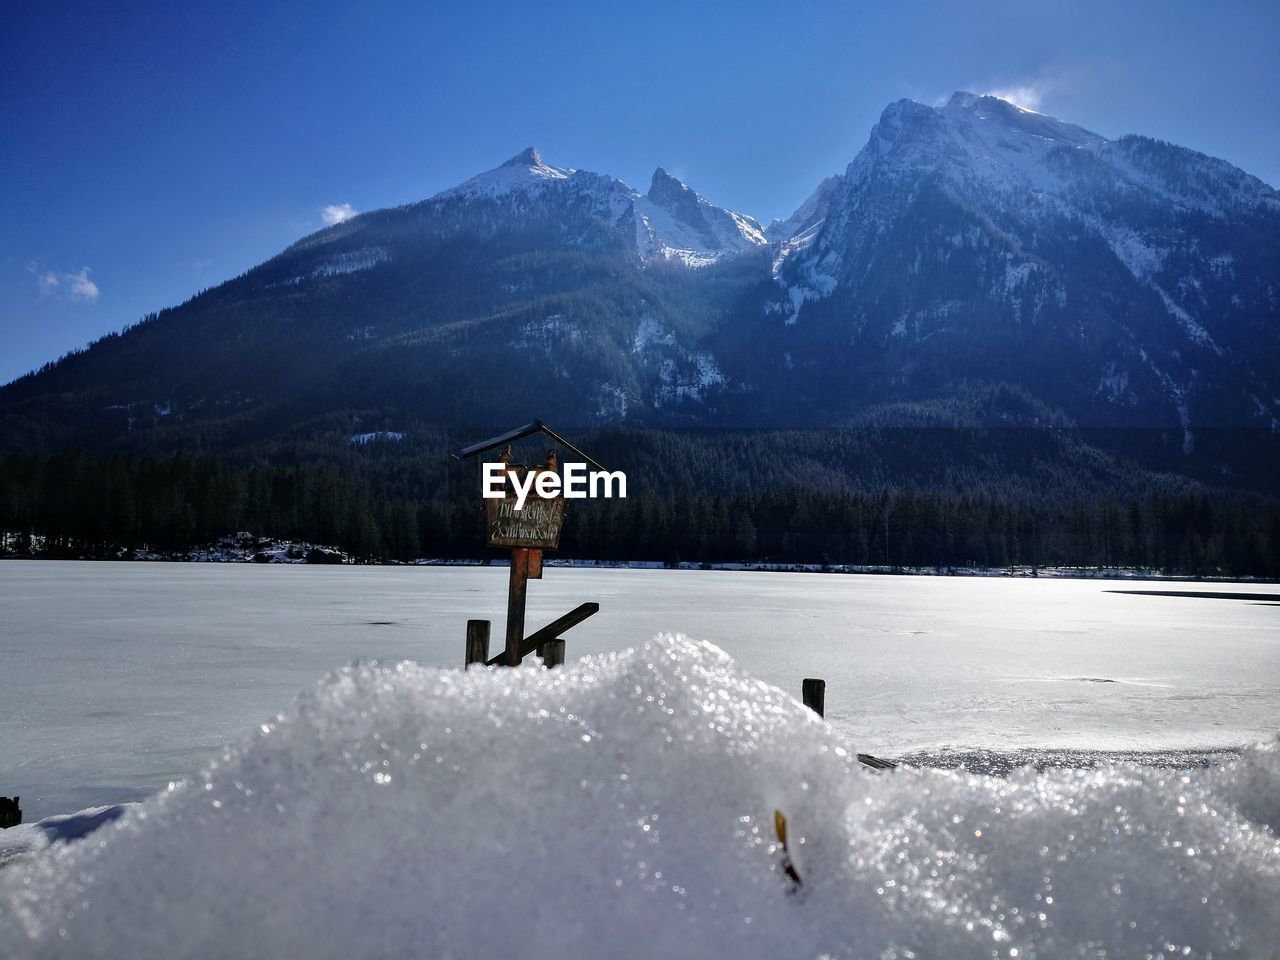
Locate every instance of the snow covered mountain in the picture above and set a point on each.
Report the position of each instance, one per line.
(970, 251)
(524, 173)
(674, 222)
(671, 221)
(1120, 275)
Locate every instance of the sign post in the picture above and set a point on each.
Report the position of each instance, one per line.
(527, 526)
(527, 530)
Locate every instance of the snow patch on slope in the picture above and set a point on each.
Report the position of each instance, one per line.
(354, 261)
(684, 384)
(1190, 326)
(651, 332)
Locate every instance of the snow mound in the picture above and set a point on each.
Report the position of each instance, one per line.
(623, 807)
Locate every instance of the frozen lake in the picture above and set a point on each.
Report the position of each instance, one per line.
(118, 677)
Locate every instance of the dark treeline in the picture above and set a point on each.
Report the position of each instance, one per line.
(390, 506)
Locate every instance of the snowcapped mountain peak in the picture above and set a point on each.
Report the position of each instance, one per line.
(670, 222)
(525, 173)
(1060, 223)
(992, 109)
(972, 139)
(965, 99)
(904, 115)
(674, 222)
(666, 189)
(970, 123)
(528, 157)
(983, 103)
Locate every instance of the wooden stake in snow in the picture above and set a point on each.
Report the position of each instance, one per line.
(814, 693)
(477, 642)
(553, 653)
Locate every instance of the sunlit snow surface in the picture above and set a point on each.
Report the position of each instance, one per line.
(622, 807)
(118, 677)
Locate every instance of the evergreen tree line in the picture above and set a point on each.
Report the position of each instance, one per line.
(402, 508)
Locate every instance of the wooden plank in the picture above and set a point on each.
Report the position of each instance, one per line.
(519, 433)
(876, 762)
(477, 641)
(501, 440)
(552, 630)
(553, 653)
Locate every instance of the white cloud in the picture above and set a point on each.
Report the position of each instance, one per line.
(337, 213)
(81, 287)
(67, 286)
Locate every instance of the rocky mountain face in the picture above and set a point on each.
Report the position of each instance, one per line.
(1123, 281)
(975, 261)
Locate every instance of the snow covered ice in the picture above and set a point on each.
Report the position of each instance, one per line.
(622, 806)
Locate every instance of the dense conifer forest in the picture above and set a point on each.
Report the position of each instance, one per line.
(893, 497)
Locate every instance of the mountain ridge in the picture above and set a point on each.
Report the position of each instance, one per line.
(1120, 282)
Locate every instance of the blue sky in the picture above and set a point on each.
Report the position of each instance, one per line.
(152, 150)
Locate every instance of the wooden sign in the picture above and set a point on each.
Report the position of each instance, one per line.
(527, 530)
(536, 526)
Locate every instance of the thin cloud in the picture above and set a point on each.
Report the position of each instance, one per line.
(46, 280)
(66, 286)
(336, 213)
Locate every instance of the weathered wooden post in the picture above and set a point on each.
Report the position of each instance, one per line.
(553, 653)
(517, 585)
(814, 693)
(10, 812)
(477, 642)
(527, 532)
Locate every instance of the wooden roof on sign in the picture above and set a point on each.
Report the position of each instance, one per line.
(519, 433)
